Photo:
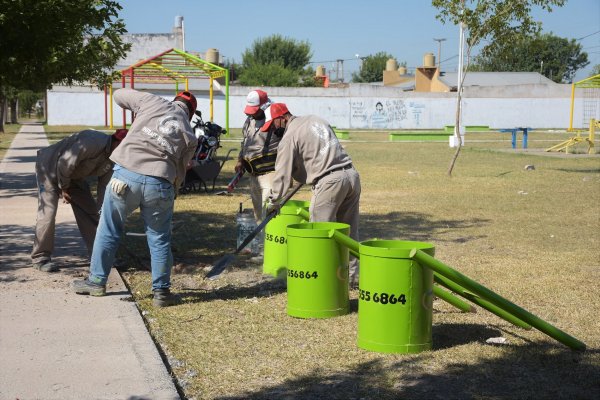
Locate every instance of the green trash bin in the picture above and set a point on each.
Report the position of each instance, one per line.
(275, 255)
(317, 274)
(395, 297)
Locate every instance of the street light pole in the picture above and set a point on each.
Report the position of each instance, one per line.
(439, 50)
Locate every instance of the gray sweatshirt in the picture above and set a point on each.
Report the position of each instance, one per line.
(307, 150)
(77, 157)
(160, 141)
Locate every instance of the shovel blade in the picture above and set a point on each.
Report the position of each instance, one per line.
(219, 266)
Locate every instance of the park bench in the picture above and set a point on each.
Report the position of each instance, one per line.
(514, 131)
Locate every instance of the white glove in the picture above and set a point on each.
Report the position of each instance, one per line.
(272, 206)
(117, 186)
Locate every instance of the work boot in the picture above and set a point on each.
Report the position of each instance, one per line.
(45, 266)
(164, 298)
(86, 287)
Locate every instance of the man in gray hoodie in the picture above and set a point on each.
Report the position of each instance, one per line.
(310, 152)
(61, 171)
(149, 165)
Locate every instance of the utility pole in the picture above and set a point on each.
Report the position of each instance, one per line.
(339, 65)
(439, 50)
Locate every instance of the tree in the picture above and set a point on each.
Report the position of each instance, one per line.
(372, 67)
(28, 100)
(595, 70)
(45, 42)
(273, 74)
(498, 21)
(555, 57)
(275, 61)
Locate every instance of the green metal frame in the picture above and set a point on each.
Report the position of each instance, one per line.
(177, 66)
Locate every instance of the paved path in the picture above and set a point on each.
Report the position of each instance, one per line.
(55, 344)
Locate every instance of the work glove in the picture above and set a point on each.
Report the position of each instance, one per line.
(117, 186)
(272, 207)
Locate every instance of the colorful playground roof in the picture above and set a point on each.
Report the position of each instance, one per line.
(173, 65)
(591, 82)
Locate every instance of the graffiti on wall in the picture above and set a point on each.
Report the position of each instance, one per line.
(384, 113)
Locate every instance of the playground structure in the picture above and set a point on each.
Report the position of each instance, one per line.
(169, 67)
(573, 141)
(590, 90)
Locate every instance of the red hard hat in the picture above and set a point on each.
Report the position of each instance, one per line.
(190, 98)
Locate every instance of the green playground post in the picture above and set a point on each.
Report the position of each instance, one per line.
(448, 284)
(499, 301)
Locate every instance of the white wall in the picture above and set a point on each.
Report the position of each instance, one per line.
(355, 107)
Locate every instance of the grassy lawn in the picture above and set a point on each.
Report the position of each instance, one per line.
(6, 138)
(532, 236)
(57, 132)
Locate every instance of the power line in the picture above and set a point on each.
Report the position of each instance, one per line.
(591, 34)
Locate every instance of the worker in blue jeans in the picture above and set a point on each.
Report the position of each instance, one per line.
(147, 172)
(154, 196)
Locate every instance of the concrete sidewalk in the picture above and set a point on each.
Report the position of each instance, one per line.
(55, 344)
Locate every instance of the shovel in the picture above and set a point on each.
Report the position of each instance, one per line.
(223, 262)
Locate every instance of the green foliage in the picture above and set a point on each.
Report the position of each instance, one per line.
(58, 41)
(27, 101)
(276, 61)
(290, 53)
(45, 42)
(557, 58)
(372, 67)
(268, 75)
(492, 19)
(595, 70)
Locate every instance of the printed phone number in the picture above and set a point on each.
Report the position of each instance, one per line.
(276, 239)
(381, 298)
(291, 273)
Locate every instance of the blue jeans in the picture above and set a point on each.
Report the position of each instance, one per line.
(155, 198)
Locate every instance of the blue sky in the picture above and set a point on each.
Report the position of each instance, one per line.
(340, 29)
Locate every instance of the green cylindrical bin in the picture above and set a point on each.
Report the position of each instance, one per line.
(275, 256)
(317, 272)
(395, 298)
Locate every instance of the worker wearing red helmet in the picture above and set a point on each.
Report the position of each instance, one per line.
(309, 152)
(61, 171)
(149, 166)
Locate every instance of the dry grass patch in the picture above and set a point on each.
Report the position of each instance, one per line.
(531, 236)
(6, 138)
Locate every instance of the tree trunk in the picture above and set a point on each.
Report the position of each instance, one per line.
(457, 130)
(2, 103)
(458, 112)
(13, 111)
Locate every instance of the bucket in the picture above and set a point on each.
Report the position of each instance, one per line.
(245, 226)
(395, 297)
(317, 272)
(275, 256)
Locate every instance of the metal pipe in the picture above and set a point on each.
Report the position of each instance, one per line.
(572, 106)
(455, 301)
(425, 259)
(210, 95)
(448, 284)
